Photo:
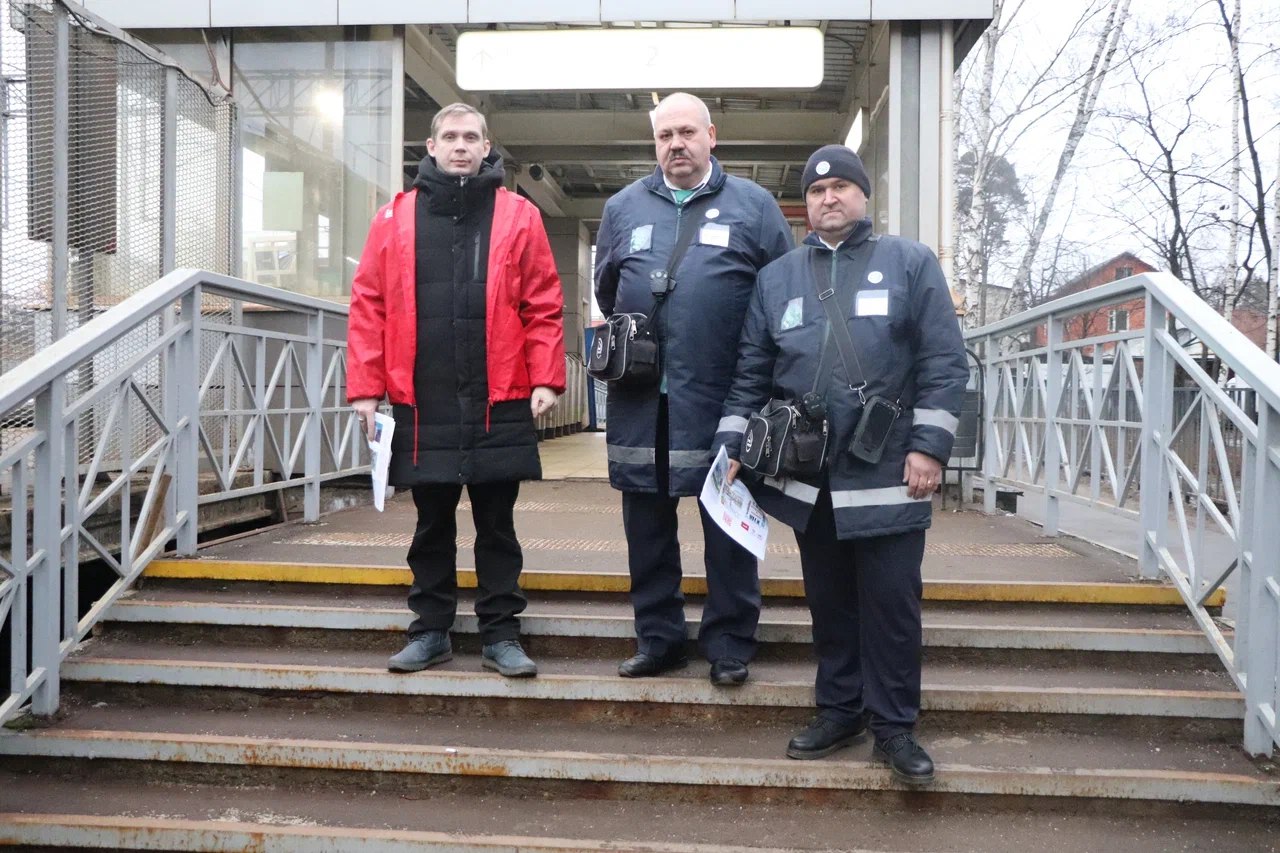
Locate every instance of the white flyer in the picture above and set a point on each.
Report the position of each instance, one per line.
(731, 506)
(380, 447)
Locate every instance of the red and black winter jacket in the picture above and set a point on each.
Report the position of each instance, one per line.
(524, 337)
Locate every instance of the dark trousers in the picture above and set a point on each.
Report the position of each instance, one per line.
(433, 558)
(864, 597)
(732, 609)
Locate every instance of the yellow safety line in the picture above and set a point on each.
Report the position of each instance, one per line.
(1011, 591)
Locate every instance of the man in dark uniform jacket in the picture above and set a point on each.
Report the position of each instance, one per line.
(456, 317)
(860, 525)
(659, 438)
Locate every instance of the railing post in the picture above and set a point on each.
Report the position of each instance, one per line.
(990, 460)
(1052, 402)
(1157, 423)
(61, 172)
(186, 483)
(1263, 580)
(169, 173)
(46, 582)
(315, 401)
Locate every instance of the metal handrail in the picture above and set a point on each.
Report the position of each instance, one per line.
(237, 402)
(1077, 414)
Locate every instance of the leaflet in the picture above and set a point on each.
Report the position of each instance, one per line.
(731, 506)
(380, 447)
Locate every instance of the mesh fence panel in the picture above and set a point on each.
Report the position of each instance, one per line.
(118, 180)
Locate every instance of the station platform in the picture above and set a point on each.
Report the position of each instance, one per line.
(570, 523)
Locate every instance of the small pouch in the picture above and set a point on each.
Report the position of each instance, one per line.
(873, 429)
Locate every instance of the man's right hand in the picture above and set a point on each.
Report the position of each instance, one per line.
(366, 408)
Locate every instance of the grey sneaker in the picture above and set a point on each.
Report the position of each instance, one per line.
(422, 651)
(509, 659)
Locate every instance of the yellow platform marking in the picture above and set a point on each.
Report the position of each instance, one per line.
(1047, 592)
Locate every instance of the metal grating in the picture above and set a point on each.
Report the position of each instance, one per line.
(111, 92)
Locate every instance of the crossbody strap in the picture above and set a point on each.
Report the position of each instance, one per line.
(837, 310)
(662, 286)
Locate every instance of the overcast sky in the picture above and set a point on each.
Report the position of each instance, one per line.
(1179, 59)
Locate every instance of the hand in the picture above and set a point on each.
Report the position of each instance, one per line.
(922, 474)
(734, 467)
(366, 408)
(542, 400)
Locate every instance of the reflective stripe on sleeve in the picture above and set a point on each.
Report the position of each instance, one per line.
(846, 498)
(936, 418)
(733, 423)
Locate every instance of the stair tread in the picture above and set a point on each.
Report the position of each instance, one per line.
(991, 743)
(1174, 674)
(925, 827)
(978, 614)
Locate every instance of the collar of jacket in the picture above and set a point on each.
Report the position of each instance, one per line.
(656, 185)
(860, 233)
(450, 194)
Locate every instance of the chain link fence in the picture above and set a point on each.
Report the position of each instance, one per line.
(115, 168)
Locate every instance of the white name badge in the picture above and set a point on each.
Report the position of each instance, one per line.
(713, 234)
(871, 303)
(641, 238)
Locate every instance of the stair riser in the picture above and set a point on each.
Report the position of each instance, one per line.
(1155, 728)
(778, 643)
(511, 791)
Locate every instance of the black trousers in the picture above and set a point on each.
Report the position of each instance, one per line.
(731, 612)
(864, 597)
(433, 557)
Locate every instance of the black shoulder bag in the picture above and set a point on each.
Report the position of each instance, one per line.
(625, 349)
(788, 438)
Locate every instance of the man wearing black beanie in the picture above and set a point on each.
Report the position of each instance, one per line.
(889, 392)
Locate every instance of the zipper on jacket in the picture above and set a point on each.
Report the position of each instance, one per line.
(475, 259)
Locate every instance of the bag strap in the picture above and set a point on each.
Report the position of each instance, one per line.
(837, 310)
(684, 237)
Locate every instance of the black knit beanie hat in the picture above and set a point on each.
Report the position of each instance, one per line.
(835, 161)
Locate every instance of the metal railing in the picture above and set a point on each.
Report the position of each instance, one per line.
(226, 405)
(1131, 423)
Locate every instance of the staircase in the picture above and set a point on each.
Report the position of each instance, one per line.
(223, 705)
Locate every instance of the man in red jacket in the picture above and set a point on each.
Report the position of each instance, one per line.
(456, 318)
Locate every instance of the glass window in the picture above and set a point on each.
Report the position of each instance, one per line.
(316, 113)
(1118, 320)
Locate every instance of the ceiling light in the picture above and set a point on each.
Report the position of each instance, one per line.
(631, 59)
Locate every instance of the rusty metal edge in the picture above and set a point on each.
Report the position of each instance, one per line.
(1099, 783)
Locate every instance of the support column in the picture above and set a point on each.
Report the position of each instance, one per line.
(918, 202)
(571, 247)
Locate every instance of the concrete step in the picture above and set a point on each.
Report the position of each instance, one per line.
(991, 685)
(156, 613)
(63, 810)
(725, 761)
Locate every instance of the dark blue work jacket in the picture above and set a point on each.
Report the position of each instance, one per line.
(740, 230)
(910, 348)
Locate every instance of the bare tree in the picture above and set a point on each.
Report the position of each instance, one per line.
(1273, 288)
(1108, 41)
(1169, 202)
(1231, 272)
(995, 112)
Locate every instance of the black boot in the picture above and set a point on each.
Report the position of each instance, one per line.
(825, 735)
(906, 758)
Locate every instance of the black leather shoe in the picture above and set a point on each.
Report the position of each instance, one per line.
(728, 672)
(824, 736)
(643, 665)
(906, 758)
